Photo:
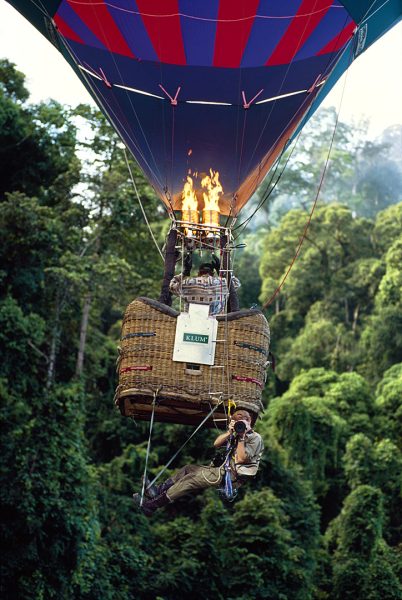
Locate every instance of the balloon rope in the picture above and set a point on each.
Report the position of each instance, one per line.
(103, 102)
(242, 147)
(269, 189)
(211, 412)
(278, 289)
(307, 225)
(141, 206)
(151, 425)
(273, 106)
(39, 5)
(366, 15)
(331, 62)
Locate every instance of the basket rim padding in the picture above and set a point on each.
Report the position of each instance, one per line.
(168, 310)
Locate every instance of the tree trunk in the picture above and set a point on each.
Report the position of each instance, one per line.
(83, 335)
(346, 303)
(54, 345)
(355, 317)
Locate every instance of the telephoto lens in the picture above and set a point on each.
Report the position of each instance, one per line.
(240, 427)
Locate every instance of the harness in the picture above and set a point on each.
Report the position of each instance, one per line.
(227, 491)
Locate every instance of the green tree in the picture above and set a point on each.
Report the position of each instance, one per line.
(334, 290)
(49, 518)
(381, 342)
(314, 420)
(246, 266)
(37, 141)
(72, 258)
(388, 404)
(363, 564)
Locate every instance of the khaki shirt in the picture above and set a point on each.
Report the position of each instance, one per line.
(254, 447)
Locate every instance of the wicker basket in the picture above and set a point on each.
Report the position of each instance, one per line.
(184, 392)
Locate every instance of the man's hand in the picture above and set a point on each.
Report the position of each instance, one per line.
(216, 263)
(231, 426)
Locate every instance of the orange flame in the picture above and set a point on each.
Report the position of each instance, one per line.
(211, 194)
(188, 196)
(213, 190)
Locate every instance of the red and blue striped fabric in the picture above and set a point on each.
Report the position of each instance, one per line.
(216, 33)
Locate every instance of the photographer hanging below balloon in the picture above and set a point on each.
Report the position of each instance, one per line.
(204, 288)
(239, 462)
(242, 454)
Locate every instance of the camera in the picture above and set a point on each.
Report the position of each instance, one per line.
(240, 427)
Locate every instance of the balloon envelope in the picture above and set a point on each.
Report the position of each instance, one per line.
(197, 84)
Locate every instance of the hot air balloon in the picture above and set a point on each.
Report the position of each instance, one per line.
(206, 95)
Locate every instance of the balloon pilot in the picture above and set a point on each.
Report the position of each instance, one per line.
(204, 288)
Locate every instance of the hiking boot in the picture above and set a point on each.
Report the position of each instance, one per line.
(151, 491)
(163, 487)
(150, 506)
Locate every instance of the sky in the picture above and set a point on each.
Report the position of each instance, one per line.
(373, 87)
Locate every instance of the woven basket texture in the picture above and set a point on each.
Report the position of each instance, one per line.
(185, 393)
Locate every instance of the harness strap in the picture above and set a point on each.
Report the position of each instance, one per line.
(227, 490)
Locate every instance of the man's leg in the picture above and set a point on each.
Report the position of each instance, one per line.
(186, 470)
(196, 478)
(170, 262)
(188, 479)
(156, 490)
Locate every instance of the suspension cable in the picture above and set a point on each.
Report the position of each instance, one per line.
(144, 477)
(141, 205)
(269, 189)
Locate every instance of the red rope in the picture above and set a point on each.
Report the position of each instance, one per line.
(136, 368)
(278, 289)
(248, 380)
(303, 237)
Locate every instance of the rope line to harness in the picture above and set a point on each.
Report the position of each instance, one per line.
(176, 454)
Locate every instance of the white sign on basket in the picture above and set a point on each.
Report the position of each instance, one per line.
(196, 332)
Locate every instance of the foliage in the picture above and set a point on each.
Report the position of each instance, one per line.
(246, 264)
(341, 306)
(37, 142)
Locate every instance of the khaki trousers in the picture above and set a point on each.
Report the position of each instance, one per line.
(193, 477)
